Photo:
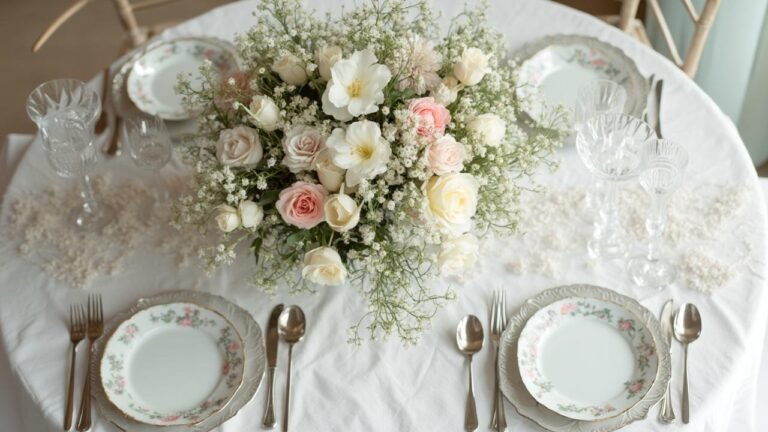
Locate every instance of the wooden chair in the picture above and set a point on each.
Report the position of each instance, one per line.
(702, 22)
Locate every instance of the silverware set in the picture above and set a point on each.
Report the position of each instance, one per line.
(83, 325)
(288, 324)
(469, 340)
(685, 326)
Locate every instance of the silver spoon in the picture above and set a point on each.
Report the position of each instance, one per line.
(469, 339)
(291, 327)
(687, 330)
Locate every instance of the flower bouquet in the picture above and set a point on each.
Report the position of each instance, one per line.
(362, 149)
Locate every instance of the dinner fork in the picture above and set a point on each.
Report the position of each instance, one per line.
(77, 329)
(498, 324)
(95, 328)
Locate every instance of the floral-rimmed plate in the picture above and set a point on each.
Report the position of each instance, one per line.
(153, 76)
(253, 370)
(555, 67)
(586, 359)
(172, 364)
(517, 394)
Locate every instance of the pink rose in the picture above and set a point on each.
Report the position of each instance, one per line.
(625, 324)
(433, 117)
(445, 155)
(234, 347)
(636, 387)
(567, 308)
(186, 322)
(302, 204)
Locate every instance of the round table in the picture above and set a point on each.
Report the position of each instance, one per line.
(384, 386)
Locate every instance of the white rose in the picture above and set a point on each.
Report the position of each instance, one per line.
(471, 67)
(290, 69)
(447, 91)
(251, 214)
(323, 266)
(329, 174)
(301, 145)
(239, 146)
(452, 201)
(489, 127)
(327, 56)
(445, 155)
(458, 255)
(227, 218)
(264, 113)
(341, 212)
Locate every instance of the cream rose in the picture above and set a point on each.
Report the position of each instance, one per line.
(341, 212)
(324, 266)
(290, 69)
(239, 146)
(452, 201)
(446, 155)
(489, 127)
(458, 255)
(301, 145)
(331, 176)
(447, 91)
(471, 67)
(227, 218)
(327, 56)
(251, 214)
(264, 113)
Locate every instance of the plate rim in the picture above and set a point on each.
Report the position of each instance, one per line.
(131, 316)
(564, 424)
(655, 372)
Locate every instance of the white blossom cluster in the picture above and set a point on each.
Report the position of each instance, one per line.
(344, 150)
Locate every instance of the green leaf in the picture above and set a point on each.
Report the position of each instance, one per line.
(256, 248)
(268, 197)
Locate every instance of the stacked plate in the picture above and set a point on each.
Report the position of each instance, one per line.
(180, 361)
(583, 358)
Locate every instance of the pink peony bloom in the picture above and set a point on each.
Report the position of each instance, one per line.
(301, 204)
(567, 308)
(433, 117)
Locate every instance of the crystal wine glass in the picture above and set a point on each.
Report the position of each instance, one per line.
(65, 111)
(612, 147)
(149, 146)
(665, 163)
(595, 98)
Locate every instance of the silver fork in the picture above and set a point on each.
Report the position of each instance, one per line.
(77, 329)
(95, 328)
(498, 324)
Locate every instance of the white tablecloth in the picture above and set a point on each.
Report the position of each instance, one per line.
(383, 386)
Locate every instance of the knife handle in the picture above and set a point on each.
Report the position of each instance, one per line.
(269, 411)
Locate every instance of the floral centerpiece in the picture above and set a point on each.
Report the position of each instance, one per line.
(362, 149)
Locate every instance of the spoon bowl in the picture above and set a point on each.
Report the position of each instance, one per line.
(292, 324)
(469, 335)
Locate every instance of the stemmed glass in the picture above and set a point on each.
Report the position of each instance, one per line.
(612, 148)
(665, 163)
(65, 111)
(149, 146)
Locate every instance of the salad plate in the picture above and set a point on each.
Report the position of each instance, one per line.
(152, 79)
(515, 391)
(556, 66)
(172, 364)
(586, 359)
(191, 333)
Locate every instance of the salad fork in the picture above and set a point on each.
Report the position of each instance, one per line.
(498, 324)
(77, 329)
(95, 329)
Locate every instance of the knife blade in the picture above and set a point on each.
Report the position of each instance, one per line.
(271, 344)
(659, 87)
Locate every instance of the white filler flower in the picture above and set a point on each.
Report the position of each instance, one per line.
(361, 150)
(356, 86)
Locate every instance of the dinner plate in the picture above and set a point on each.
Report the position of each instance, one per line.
(172, 364)
(515, 391)
(209, 307)
(554, 67)
(153, 77)
(586, 359)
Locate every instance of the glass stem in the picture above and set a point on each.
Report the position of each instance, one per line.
(86, 193)
(655, 224)
(609, 196)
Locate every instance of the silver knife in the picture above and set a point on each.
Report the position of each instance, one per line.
(659, 86)
(667, 414)
(271, 344)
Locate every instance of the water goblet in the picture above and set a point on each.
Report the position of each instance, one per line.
(665, 163)
(65, 111)
(149, 146)
(612, 147)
